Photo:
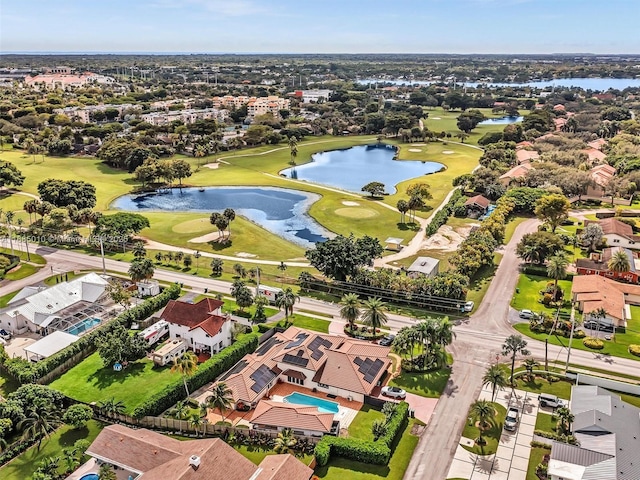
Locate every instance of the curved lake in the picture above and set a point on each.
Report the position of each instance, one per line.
(279, 210)
(600, 84)
(502, 120)
(352, 168)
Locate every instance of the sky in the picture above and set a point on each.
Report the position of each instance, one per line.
(321, 26)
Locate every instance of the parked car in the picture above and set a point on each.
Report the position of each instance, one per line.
(527, 314)
(511, 420)
(386, 341)
(548, 400)
(593, 325)
(4, 334)
(469, 306)
(394, 392)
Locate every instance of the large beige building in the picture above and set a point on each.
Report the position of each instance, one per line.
(255, 105)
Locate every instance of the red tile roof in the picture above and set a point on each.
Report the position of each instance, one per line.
(288, 415)
(478, 200)
(283, 467)
(198, 315)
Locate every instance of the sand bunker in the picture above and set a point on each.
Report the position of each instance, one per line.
(448, 152)
(245, 255)
(209, 237)
(349, 203)
(212, 165)
(447, 239)
(435, 118)
(415, 150)
(418, 144)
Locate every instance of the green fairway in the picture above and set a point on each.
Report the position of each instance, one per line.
(90, 382)
(440, 120)
(23, 466)
(342, 469)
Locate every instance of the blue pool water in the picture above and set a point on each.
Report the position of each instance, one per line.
(281, 211)
(324, 406)
(81, 327)
(352, 168)
(90, 476)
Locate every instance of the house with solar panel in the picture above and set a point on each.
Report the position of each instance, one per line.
(329, 365)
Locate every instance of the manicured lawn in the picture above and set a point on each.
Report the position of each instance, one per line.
(33, 257)
(529, 287)
(361, 425)
(561, 388)
(546, 422)
(490, 436)
(342, 469)
(537, 454)
(481, 280)
(90, 382)
(511, 226)
(440, 120)
(632, 399)
(430, 384)
(618, 346)
(308, 323)
(23, 271)
(22, 467)
(52, 280)
(6, 298)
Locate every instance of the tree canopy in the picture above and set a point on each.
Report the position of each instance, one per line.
(340, 257)
(63, 193)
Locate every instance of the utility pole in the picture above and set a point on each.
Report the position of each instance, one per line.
(573, 326)
(257, 281)
(104, 268)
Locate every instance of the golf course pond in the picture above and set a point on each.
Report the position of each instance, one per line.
(278, 210)
(352, 168)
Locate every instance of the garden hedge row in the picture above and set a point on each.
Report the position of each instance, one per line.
(441, 217)
(554, 436)
(377, 453)
(206, 372)
(28, 372)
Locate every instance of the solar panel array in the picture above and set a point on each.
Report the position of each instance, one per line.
(266, 346)
(315, 345)
(261, 377)
(369, 368)
(301, 337)
(296, 359)
(237, 368)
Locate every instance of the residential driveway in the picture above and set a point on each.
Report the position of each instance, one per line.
(422, 406)
(511, 460)
(15, 347)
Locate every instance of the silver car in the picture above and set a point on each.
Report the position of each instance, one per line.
(511, 420)
(393, 392)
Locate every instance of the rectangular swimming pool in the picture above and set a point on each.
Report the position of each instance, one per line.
(324, 406)
(83, 326)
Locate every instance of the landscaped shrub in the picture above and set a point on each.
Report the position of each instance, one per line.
(206, 372)
(263, 327)
(377, 453)
(363, 333)
(579, 334)
(441, 217)
(593, 343)
(28, 372)
(554, 436)
(634, 350)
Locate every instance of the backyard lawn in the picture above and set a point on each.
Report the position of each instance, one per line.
(361, 425)
(342, 469)
(490, 436)
(527, 293)
(90, 382)
(23, 466)
(429, 384)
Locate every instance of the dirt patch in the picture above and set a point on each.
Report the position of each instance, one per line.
(447, 239)
(213, 165)
(417, 429)
(448, 152)
(415, 150)
(349, 203)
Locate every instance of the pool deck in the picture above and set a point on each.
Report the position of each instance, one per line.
(92, 467)
(284, 389)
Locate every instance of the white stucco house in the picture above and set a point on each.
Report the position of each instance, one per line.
(201, 324)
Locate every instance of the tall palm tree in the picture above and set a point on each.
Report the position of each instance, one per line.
(513, 346)
(138, 250)
(293, 149)
(445, 333)
(285, 441)
(565, 419)
(221, 398)
(186, 365)
(230, 215)
(619, 262)
(529, 365)
(9, 217)
(196, 421)
(374, 313)
(142, 269)
(286, 300)
(484, 412)
(557, 269)
(39, 423)
(403, 208)
(350, 308)
(496, 377)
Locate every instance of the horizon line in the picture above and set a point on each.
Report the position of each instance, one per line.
(182, 53)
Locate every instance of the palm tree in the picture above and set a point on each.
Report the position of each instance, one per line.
(141, 269)
(293, 149)
(49, 466)
(286, 300)
(484, 412)
(111, 406)
(282, 267)
(513, 346)
(445, 333)
(9, 217)
(139, 250)
(30, 206)
(221, 398)
(196, 421)
(350, 308)
(403, 208)
(186, 365)
(230, 215)
(565, 419)
(39, 423)
(619, 262)
(496, 377)
(557, 269)
(529, 365)
(285, 441)
(374, 313)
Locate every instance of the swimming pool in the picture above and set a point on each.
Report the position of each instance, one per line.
(83, 326)
(90, 476)
(324, 406)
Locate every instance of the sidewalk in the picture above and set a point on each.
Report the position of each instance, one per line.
(511, 460)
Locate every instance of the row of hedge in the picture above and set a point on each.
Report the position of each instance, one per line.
(28, 372)
(377, 453)
(14, 261)
(442, 215)
(554, 436)
(207, 372)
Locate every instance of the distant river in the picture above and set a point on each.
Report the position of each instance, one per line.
(599, 84)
